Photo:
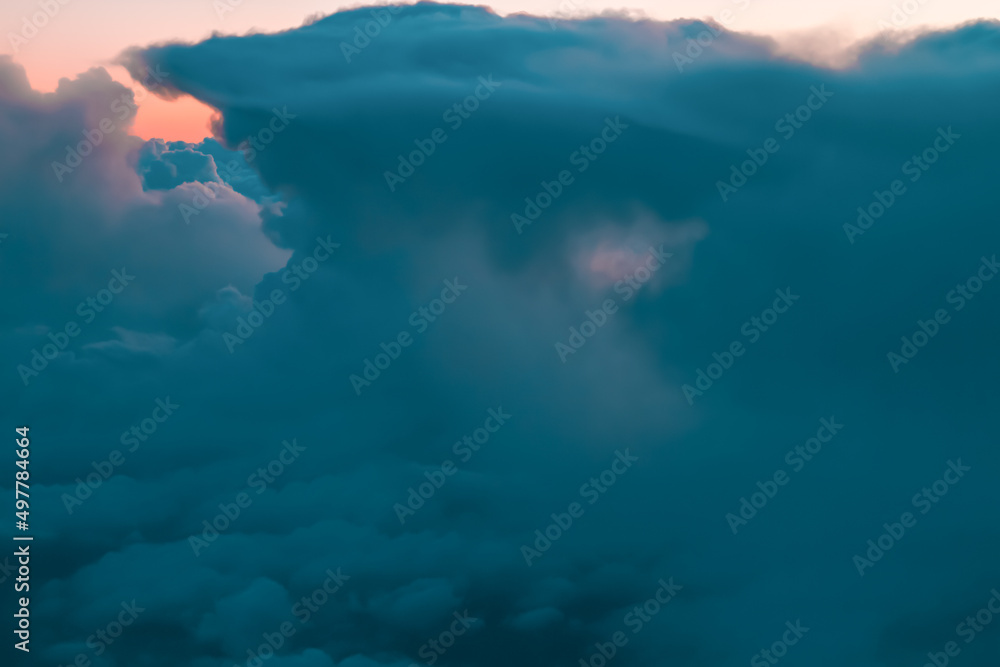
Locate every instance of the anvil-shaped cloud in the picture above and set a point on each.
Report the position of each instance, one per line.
(498, 188)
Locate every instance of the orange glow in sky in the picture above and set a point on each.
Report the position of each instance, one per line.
(88, 33)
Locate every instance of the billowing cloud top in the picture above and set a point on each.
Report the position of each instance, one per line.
(475, 341)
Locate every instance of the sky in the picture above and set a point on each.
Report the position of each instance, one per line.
(491, 339)
(81, 35)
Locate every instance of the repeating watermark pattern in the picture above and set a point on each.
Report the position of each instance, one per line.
(787, 126)
(455, 116)
(259, 482)
(250, 148)
(123, 108)
(968, 630)
(928, 329)
(797, 458)
(779, 649)
(582, 158)
(435, 647)
(566, 9)
(915, 167)
(696, 46)
(59, 340)
(102, 638)
(31, 25)
(464, 449)
(303, 610)
(234, 171)
(420, 319)
(753, 329)
(310, 604)
(591, 491)
(635, 619)
(901, 14)
(103, 470)
(255, 144)
(924, 501)
(199, 202)
(628, 286)
(578, 337)
(640, 615)
(223, 7)
(364, 34)
(294, 276)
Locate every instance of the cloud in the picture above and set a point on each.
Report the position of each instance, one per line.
(532, 165)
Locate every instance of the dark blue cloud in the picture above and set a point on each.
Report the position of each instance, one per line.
(688, 234)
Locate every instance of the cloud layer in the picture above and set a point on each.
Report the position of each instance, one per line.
(442, 284)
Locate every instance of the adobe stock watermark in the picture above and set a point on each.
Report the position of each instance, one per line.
(255, 144)
(133, 438)
(231, 172)
(928, 329)
(696, 46)
(250, 147)
(779, 649)
(635, 619)
(582, 158)
(968, 629)
(901, 14)
(915, 167)
(455, 116)
(259, 482)
(797, 459)
(124, 107)
(464, 449)
(628, 286)
(364, 34)
(787, 126)
(223, 7)
(303, 610)
(59, 340)
(294, 276)
(420, 319)
(199, 202)
(566, 10)
(102, 638)
(591, 491)
(435, 647)
(924, 501)
(31, 25)
(753, 329)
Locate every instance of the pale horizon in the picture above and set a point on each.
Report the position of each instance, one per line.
(74, 40)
